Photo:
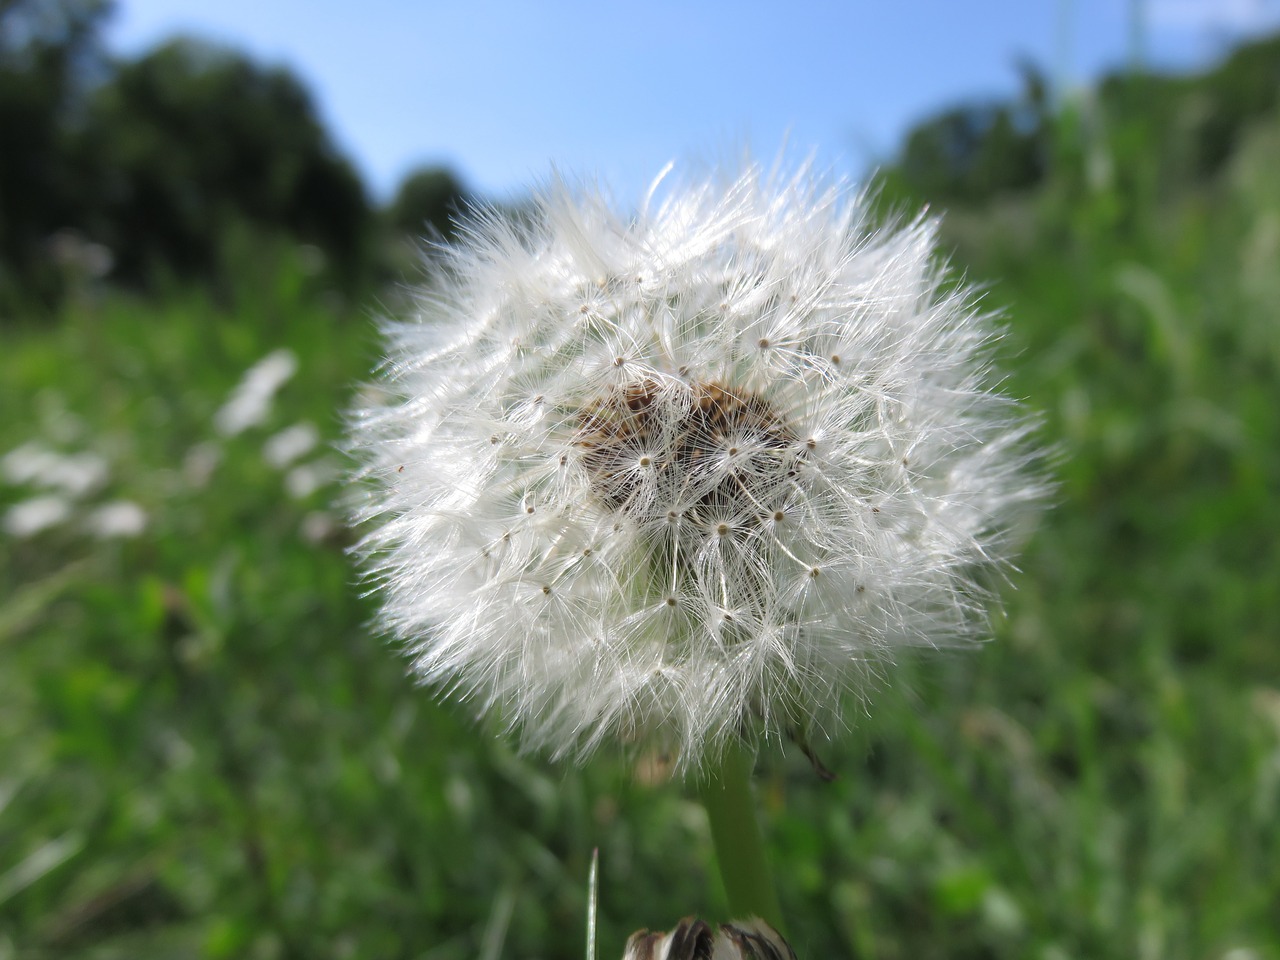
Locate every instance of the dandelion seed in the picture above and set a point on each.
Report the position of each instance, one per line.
(782, 359)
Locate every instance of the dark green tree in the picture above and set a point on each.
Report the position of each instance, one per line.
(50, 51)
(1241, 89)
(428, 202)
(970, 152)
(193, 141)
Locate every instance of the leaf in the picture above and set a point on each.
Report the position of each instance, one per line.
(26, 604)
(43, 861)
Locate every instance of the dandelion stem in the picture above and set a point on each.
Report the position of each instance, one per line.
(736, 834)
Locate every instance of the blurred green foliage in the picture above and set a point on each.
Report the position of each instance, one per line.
(204, 751)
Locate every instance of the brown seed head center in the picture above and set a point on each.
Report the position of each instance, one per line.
(700, 448)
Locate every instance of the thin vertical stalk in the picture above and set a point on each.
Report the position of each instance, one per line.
(739, 845)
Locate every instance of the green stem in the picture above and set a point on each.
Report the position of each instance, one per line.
(739, 846)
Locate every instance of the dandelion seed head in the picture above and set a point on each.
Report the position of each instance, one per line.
(683, 475)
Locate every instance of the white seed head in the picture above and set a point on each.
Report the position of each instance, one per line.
(687, 475)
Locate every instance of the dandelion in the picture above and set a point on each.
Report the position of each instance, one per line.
(687, 476)
(694, 939)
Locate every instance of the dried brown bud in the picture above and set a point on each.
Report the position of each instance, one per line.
(694, 939)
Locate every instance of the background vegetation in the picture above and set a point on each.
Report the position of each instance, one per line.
(205, 752)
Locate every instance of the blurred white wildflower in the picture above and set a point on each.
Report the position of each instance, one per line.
(318, 527)
(306, 478)
(200, 462)
(74, 475)
(80, 257)
(687, 475)
(250, 402)
(30, 517)
(282, 448)
(116, 520)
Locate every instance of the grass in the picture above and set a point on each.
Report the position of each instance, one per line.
(205, 751)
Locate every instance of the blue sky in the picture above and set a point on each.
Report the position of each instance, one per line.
(501, 90)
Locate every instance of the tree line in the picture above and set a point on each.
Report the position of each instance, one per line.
(1192, 123)
(161, 160)
(148, 169)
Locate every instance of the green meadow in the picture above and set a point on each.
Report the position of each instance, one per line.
(206, 748)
